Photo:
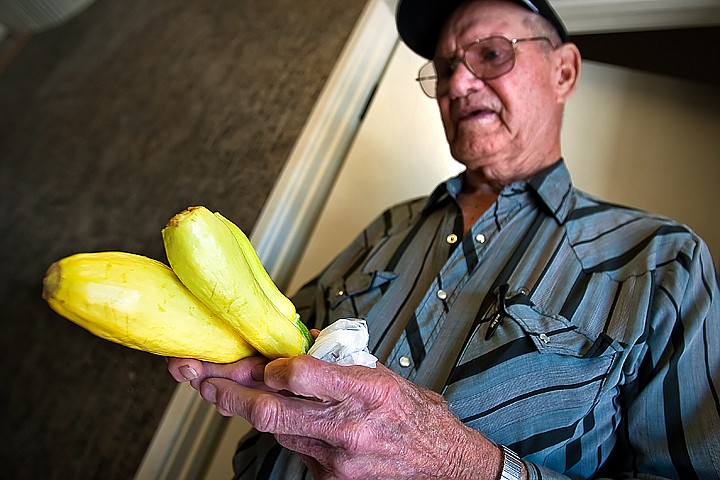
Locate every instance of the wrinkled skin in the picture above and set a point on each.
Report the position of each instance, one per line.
(346, 422)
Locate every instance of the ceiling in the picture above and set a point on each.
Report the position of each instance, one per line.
(603, 16)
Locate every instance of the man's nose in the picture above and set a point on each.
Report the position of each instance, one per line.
(462, 80)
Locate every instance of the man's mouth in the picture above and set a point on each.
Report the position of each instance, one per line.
(479, 112)
(472, 114)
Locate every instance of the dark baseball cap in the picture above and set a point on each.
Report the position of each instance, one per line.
(419, 21)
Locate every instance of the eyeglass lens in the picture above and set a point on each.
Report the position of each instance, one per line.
(487, 59)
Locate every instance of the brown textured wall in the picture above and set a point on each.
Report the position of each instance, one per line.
(109, 124)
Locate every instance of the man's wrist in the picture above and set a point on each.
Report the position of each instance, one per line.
(511, 466)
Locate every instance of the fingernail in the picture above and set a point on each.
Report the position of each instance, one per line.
(209, 392)
(188, 372)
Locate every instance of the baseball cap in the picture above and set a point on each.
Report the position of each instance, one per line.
(419, 21)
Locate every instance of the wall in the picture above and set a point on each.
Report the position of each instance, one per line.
(635, 138)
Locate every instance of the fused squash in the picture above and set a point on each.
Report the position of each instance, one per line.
(219, 266)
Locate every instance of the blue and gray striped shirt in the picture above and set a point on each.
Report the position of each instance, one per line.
(583, 335)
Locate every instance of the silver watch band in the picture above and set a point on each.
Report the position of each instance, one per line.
(511, 465)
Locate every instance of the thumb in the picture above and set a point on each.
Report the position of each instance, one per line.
(309, 377)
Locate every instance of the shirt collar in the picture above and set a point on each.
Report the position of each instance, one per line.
(443, 193)
(552, 186)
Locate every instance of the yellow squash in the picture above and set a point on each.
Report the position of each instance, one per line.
(218, 265)
(140, 303)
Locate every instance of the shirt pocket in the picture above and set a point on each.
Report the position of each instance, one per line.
(554, 334)
(538, 373)
(357, 294)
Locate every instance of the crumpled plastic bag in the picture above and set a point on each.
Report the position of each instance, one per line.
(344, 342)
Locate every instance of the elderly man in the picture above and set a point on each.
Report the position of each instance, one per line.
(524, 329)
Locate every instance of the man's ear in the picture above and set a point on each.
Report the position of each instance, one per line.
(568, 65)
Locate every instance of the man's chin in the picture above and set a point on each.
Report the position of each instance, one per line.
(475, 155)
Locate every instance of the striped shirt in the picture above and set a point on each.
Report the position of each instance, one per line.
(583, 335)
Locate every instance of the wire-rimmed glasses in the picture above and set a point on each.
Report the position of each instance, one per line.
(486, 58)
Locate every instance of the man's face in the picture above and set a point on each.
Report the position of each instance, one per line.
(505, 125)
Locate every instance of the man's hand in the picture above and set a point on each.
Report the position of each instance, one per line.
(346, 422)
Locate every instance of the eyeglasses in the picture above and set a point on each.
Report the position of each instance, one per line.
(486, 58)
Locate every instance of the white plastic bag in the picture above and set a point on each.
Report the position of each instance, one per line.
(344, 342)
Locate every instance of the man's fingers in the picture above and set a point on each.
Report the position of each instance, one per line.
(267, 411)
(247, 371)
(240, 371)
(259, 407)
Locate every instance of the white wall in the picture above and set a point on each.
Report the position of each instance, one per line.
(643, 140)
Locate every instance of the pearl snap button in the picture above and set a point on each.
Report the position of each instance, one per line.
(442, 294)
(480, 238)
(405, 362)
